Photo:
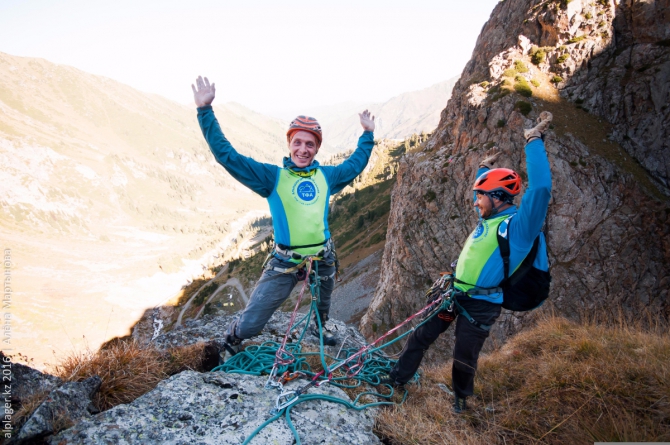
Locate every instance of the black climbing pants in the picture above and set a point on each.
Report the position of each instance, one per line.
(469, 342)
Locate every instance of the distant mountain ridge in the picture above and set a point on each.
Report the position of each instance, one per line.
(401, 116)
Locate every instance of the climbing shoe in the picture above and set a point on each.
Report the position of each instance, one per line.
(542, 125)
(459, 405)
(228, 351)
(388, 380)
(231, 343)
(328, 336)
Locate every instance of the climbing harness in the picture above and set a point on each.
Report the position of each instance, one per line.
(286, 363)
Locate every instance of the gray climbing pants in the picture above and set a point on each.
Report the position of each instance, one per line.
(273, 289)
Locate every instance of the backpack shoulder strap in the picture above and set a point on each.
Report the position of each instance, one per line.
(503, 244)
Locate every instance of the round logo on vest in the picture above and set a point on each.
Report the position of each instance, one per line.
(305, 191)
(481, 229)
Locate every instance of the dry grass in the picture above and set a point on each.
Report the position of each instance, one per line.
(558, 383)
(128, 370)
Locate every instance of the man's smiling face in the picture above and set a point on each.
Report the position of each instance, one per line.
(303, 147)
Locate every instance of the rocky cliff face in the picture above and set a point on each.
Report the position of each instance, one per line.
(603, 69)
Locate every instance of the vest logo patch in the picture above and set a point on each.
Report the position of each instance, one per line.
(481, 231)
(305, 192)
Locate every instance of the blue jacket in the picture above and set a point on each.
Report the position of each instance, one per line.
(263, 178)
(526, 224)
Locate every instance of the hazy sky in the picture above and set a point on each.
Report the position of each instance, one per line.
(267, 55)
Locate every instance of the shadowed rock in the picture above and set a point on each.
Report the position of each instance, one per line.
(65, 405)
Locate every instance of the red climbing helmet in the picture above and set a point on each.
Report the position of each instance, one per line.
(502, 179)
(305, 123)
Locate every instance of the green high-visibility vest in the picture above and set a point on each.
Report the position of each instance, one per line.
(299, 206)
(479, 247)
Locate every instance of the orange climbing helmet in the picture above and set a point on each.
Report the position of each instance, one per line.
(498, 179)
(305, 123)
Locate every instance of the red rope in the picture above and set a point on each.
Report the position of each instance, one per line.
(282, 352)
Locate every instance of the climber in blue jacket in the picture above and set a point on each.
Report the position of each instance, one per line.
(298, 194)
(480, 269)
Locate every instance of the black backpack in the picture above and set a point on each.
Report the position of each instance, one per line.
(528, 286)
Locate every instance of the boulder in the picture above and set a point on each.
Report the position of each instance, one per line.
(220, 408)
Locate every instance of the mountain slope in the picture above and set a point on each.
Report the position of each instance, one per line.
(111, 198)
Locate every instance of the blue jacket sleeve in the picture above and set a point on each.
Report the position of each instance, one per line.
(257, 176)
(340, 176)
(527, 223)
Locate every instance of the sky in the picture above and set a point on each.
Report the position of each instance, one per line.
(267, 55)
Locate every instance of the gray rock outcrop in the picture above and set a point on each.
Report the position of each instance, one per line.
(220, 408)
(27, 382)
(65, 405)
(212, 328)
(602, 69)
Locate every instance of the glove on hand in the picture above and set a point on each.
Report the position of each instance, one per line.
(489, 161)
(538, 131)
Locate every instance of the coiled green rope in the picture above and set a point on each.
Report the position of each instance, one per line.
(261, 359)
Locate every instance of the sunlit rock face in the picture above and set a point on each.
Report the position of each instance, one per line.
(603, 70)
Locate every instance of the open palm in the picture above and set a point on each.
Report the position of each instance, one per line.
(204, 93)
(367, 121)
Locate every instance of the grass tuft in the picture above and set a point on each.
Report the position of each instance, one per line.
(128, 370)
(509, 72)
(523, 107)
(522, 87)
(520, 66)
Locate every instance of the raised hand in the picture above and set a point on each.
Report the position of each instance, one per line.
(489, 161)
(367, 121)
(542, 125)
(204, 94)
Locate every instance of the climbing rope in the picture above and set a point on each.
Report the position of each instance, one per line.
(351, 368)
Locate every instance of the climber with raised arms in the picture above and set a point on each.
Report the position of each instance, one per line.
(481, 269)
(298, 195)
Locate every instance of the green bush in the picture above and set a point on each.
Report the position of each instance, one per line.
(601, 24)
(506, 83)
(510, 72)
(501, 123)
(376, 238)
(562, 48)
(361, 222)
(535, 83)
(523, 107)
(557, 79)
(520, 66)
(430, 196)
(576, 39)
(588, 16)
(522, 87)
(562, 58)
(484, 84)
(538, 56)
